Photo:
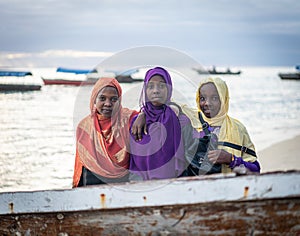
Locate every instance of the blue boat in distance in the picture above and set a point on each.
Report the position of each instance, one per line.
(15, 73)
(75, 71)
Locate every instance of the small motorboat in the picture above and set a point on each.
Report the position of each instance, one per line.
(213, 71)
(291, 76)
(227, 72)
(19, 81)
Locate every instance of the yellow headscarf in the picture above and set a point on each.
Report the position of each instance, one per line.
(231, 130)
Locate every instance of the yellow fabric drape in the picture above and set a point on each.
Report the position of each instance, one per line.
(232, 130)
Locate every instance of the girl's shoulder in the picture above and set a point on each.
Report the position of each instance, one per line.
(183, 119)
(128, 114)
(238, 124)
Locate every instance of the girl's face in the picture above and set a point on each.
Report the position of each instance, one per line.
(210, 102)
(106, 100)
(157, 91)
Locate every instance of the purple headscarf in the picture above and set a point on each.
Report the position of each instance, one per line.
(160, 154)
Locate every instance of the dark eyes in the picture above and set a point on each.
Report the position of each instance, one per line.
(214, 99)
(160, 86)
(112, 99)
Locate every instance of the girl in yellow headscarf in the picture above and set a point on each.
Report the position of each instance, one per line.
(235, 147)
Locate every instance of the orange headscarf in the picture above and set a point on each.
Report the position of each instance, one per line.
(102, 143)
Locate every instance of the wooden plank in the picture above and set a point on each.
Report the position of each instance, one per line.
(155, 193)
(265, 217)
(210, 205)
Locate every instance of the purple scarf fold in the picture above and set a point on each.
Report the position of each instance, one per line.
(160, 154)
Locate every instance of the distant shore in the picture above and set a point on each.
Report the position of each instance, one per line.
(282, 156)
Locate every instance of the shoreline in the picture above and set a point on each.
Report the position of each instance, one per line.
(281, 156)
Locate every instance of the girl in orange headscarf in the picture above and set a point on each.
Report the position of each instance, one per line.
(102, 137)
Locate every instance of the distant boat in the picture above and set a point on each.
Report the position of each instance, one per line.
(126, 76)
(78, 77)
(67, 82)
(19, 81)
(68, 76)
(215, 72)
(228, 72)
(74, 71)
(268, 204)
(292, 75)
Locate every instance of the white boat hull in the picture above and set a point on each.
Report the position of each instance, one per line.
(20, 83)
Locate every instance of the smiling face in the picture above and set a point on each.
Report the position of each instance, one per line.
(210, 102)
(157, 91)
(106, 101)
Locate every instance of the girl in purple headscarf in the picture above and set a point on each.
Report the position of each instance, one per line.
(160, 153)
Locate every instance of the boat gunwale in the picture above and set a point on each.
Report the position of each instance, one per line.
(198, 190)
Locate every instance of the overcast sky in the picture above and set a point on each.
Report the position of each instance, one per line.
(219, 32)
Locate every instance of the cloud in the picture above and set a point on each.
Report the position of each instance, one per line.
(218, 27)
(55, 53)
(52, 58)
(73, 53)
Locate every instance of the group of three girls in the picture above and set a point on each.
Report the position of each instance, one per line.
(107, 152)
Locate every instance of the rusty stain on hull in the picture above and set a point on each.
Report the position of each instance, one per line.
(11, 207)
(275, 216)
(246, 190)
(103, 200)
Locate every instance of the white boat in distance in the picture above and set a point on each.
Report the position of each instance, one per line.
(79, 77)
(19, 81)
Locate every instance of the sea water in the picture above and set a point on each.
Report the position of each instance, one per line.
(37, 141)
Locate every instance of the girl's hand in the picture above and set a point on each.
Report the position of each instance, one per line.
(139, 127)
(219, 156)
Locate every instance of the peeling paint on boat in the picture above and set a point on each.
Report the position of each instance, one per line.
(216, 205)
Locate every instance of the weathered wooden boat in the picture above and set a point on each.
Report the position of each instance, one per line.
(266, 204)
(19, 81)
